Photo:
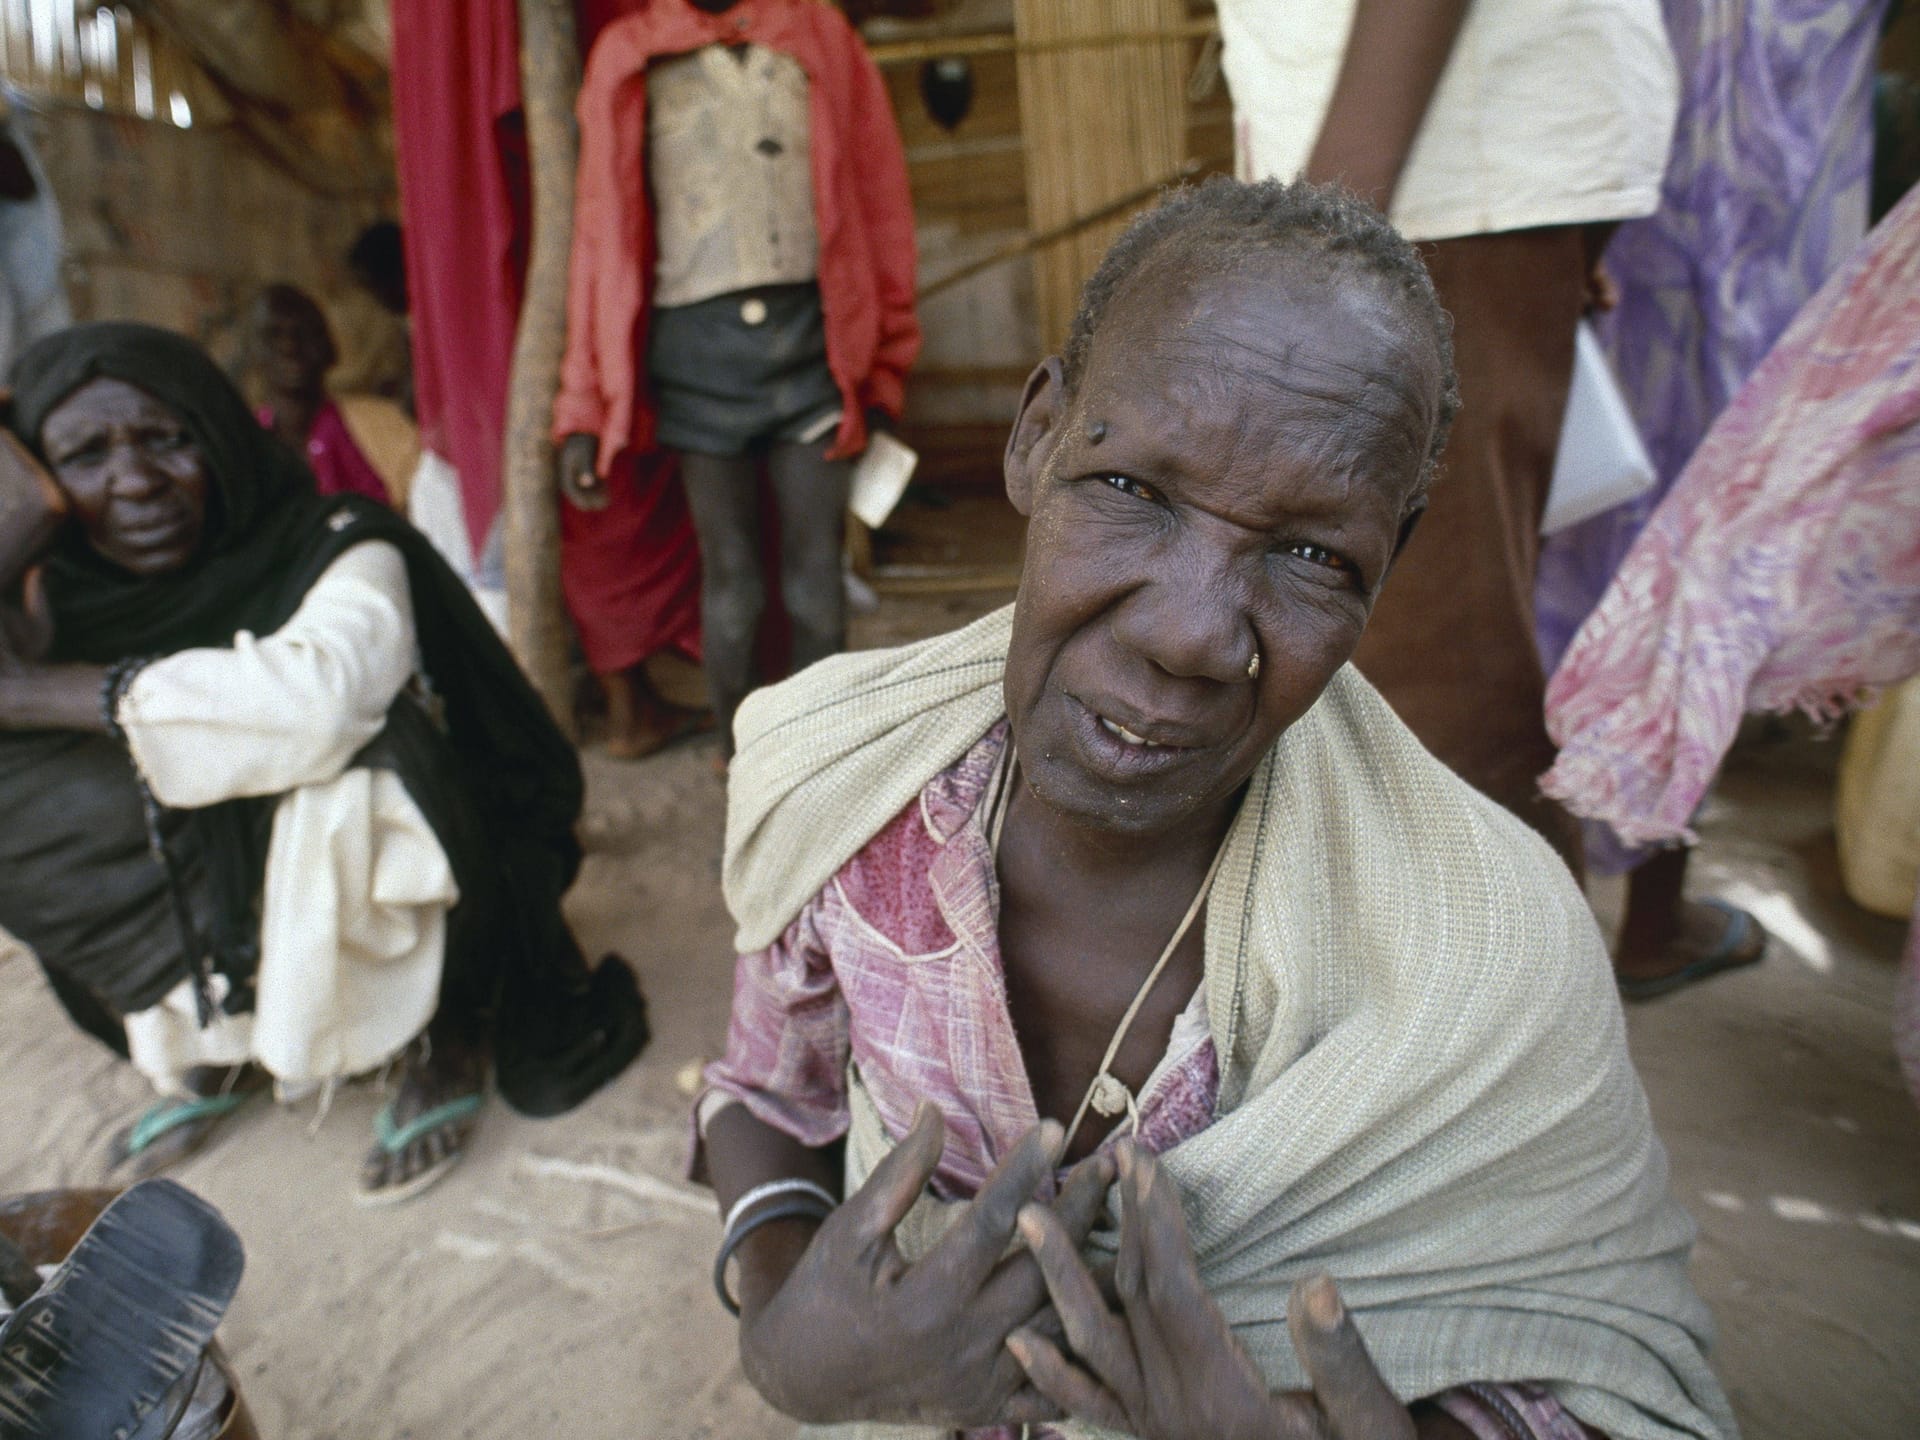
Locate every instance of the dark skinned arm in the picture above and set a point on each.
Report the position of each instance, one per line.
(742, 1152)
(1394, 60)
(34, 695)
(52, 697)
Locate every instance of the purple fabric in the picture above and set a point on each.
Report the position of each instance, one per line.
(1765, 196)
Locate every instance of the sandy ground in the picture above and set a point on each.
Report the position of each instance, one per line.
(558, 1281)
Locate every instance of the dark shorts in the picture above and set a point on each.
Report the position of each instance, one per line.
(740, 370)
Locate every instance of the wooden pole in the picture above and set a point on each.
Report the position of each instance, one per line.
(536, 619)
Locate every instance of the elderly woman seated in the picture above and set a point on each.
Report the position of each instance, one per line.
(279, 805)
(1140, 878)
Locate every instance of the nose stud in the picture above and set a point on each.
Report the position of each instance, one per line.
(1253, 665)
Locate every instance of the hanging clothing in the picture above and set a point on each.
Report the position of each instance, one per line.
(477, 753)
(862, 209)
(630, 572)
(1781, 572)
(33, 294)
(1423, 1081)
(1764, 198)
(460, 150)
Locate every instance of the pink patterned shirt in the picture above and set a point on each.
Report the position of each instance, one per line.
(895, 966)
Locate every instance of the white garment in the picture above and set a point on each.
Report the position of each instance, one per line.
(729, 156)
(357, 888)
(1550, 112)
(437, 512)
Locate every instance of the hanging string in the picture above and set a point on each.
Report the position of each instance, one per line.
(1107, 1094)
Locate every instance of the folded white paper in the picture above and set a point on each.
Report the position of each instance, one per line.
(1602, 461)
(880, 478)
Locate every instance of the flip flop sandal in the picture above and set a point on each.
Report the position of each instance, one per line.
(1725, 955)
(393, 1138)
(166, 1116)
(113, 1343)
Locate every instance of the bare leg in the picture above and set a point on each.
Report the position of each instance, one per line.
(811, 492)
(723, 491)
(1663, 932)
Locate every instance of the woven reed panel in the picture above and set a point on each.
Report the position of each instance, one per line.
(1099, 121)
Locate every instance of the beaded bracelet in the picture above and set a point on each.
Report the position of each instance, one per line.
(113, 689)
(799, 1206)
(119, 679)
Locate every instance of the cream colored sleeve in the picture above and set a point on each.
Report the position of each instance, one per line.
(283, 710)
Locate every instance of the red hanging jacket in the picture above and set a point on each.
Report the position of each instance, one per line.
(862, 210)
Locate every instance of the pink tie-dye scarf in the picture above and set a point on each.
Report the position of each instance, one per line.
(1781, 572)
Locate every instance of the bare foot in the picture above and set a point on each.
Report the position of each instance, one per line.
(174, 1128)
(644, 738)
(442, 1075)
(1705, 938)
(639, 722)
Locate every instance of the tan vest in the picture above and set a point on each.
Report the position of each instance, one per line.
(729, 162)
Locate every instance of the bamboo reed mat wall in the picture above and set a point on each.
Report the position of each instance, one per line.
(1098, 122)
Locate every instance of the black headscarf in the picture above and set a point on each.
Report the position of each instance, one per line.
(496, 779)
(263, 511)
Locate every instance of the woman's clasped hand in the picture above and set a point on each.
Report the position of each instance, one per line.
(26, 628)
(1149, 1352)
(1001, 1322)
(858, 1332)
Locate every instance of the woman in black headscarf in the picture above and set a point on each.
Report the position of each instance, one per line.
(275, 791)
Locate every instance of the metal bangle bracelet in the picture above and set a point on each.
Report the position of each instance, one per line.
(800, 1206)
(789, 1186)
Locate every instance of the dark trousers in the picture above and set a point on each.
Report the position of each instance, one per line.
(1450, 644)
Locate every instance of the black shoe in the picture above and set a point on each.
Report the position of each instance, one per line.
(110, 1346)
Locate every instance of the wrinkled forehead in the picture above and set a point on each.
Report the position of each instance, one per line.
(102, 399)
(1269, 355)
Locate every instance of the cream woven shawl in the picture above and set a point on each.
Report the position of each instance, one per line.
(1425, 1087)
